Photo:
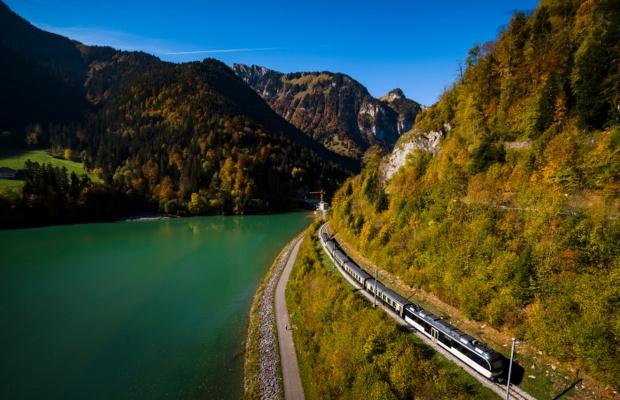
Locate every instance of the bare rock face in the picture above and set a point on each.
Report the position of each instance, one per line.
(426, 141)
(333, 108)
(407, 109)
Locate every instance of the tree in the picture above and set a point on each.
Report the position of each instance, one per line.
(196, 204)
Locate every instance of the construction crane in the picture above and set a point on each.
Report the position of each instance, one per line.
(321, 192)
(322, 207)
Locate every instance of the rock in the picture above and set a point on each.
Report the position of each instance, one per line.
(531, 376)
(333, 108)
(518, 145)
(427, 141)
(268, 353)
(553, 367)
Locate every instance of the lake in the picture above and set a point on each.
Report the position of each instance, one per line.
(132, 310)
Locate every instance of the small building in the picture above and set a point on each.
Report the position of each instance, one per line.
(7, 173)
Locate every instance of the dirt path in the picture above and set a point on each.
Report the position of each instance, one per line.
(293, 388)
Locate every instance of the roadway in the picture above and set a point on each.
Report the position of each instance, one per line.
(293, 388)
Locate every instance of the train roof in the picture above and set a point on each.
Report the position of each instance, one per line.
(357, 269)
(396, 297)
(340, 255)
(379, 285)
(389, 292)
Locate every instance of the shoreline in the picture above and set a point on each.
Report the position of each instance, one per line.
(151, 217)
(253, 385)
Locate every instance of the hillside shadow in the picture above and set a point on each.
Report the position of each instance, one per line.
(6, 152)
(518, 372)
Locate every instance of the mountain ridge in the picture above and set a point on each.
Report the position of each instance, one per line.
(333, 108)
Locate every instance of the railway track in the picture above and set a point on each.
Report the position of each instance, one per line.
(516, 393)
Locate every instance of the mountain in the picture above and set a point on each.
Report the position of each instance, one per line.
(504, 200)
(407, 109)
(41, 74)
(188, 138)
(333, 108)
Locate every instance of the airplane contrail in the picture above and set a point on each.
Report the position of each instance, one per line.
(221, 50)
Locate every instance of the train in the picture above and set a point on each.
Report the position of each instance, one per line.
(484, 360)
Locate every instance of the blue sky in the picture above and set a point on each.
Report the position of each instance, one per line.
(415, 45)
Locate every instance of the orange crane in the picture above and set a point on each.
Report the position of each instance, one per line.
(321, 192)
(322, 205)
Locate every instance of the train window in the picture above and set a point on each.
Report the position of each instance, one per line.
(479, 360)
(420, 321)
(444, 339)
(463, 350)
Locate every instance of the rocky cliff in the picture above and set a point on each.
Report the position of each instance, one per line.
(333, 108)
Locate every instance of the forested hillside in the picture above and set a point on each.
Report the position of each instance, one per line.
(514, 217)
(188, 138)
(194, 134)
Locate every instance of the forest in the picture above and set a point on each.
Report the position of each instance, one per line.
(515, 218)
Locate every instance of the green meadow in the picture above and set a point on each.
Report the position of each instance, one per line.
(16, 159)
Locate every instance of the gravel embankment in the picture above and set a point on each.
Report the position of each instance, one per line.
(269, 377)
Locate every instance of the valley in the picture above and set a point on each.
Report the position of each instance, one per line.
(468, 155)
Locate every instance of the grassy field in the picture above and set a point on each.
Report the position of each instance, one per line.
(16, 159)
(10, 184)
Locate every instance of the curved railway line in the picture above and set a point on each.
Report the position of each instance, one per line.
(516, 393)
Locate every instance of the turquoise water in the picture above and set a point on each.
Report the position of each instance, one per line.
(132, 310)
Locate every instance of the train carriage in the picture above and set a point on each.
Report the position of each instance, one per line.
(396, 301)
(331, 247)
(356, 272)
(484, 360)
(387, 296)
(340, 257)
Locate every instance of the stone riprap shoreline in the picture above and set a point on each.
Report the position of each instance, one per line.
(262, 325)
